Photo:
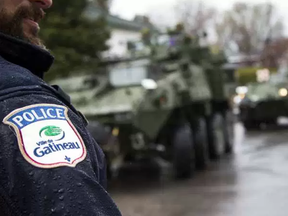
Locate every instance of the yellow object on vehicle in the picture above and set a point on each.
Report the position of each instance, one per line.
(253, 74)
(115, 131)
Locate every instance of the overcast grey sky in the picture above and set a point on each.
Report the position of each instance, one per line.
(128, 8)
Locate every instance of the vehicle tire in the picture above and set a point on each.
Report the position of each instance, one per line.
(216, 136)
(200, 143)
(272, 122)
(250, 125)
(99, 133)
(183, 152)
(229, 131)
(108, 168)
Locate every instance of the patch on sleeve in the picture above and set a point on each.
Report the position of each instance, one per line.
(46, 136)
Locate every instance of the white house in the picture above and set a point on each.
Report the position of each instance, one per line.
(121, 30)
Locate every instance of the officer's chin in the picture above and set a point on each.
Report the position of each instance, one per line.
(35, 40)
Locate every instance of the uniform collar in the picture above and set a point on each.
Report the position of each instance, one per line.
(29, 56)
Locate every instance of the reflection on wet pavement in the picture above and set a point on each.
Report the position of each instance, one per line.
(253, 182)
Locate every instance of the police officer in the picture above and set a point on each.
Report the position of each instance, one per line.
(49, 163)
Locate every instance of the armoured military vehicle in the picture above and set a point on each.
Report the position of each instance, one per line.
(164, 104)
(264, 102)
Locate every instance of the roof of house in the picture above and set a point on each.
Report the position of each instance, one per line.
(94, 12)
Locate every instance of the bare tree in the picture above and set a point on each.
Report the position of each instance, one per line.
(194, 15)
(248, 27)
(162, 17)
(274, 52)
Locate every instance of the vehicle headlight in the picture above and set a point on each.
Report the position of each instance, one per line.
(149, 84)
(283, 92)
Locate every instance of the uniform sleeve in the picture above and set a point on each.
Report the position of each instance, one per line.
(49, 166)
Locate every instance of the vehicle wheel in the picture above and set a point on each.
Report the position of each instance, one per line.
(229, 131)
(200, 143)
(108, 168)
(216, 136)
(99, 132)
(183, 153)
(272, 122)
(250, 125)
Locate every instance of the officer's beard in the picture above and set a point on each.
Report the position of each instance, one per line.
(12, 24)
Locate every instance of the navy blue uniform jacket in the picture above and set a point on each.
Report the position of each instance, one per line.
(27, 188)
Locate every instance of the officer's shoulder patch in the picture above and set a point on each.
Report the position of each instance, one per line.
(46, 136)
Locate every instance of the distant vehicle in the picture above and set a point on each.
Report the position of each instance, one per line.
(263, 103)
(164, 104)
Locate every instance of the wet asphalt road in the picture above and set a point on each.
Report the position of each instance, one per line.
(252, 182)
